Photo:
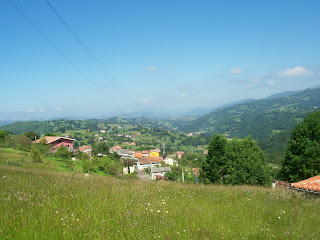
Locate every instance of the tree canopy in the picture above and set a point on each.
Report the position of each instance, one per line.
(100, 147)
(302, 158)
(234, 162)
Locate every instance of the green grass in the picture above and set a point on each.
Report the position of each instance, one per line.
(38, 204)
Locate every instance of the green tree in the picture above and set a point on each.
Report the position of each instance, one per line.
(235, 162)
(100, 147)
(43, 146)
(213, 168)
(23, 143)
(35, 153)
(32, 135)
(3, 134)
(302, 158)
(62, 152)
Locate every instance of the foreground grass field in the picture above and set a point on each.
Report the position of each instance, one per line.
(39, 204)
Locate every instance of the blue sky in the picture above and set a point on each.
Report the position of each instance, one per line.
(168, 56)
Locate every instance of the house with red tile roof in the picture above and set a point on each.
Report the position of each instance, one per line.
(309, 185)
(114, 149)
(55, 142)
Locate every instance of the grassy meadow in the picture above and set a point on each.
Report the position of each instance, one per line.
(42, 204)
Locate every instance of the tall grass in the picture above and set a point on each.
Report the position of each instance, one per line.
(39, 204)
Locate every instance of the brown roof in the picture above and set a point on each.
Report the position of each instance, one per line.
(116, 148)
(310, 185)
(51, 139)
(83, 148)
(178, 153)
(148, 160)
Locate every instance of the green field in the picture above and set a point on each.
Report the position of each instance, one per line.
(40, 204)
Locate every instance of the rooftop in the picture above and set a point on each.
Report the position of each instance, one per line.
(309, 185)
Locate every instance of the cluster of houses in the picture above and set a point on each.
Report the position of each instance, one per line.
(144, 160)
(149, 159)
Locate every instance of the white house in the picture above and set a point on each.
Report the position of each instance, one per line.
(148, 162)
(158, 173)
(170, 161)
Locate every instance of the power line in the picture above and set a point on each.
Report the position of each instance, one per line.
(63, 54)
(97, 62)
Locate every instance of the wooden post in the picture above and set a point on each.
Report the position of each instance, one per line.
(182, 176)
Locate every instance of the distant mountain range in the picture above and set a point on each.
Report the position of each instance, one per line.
(261, 118)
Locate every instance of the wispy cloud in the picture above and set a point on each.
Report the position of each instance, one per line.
(148, 100)
(58, 109)
(293, 72)
(272, 83)
(184, 95)
(254, 80)
(236, 71)
(42, 110)
(151, 68)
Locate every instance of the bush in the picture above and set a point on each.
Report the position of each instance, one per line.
(35, 153)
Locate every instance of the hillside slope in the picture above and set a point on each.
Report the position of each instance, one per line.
(261, 118)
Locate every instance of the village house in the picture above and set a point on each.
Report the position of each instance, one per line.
(124, 152)
(158, 173)
(148, 162)
(170, 161)
(55, 142)
(114, 149)
(102, 131)
(85, 149)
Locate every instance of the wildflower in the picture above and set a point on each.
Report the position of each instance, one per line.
(149, 204)
(158, 211)
(279, 217)
(102, 222)
(61, 219)
(78, 219)
(166, 211)
(151, 210)
(128, 212)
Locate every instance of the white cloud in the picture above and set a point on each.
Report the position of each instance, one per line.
(58, 109)
(296, 71)
(184, 94)
(42, 110)
(271, 83)
(151, 68)
(236, 71)
(32, 110)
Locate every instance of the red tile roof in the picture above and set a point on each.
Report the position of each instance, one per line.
(148, 160)
(138, 155)
(310, 185)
